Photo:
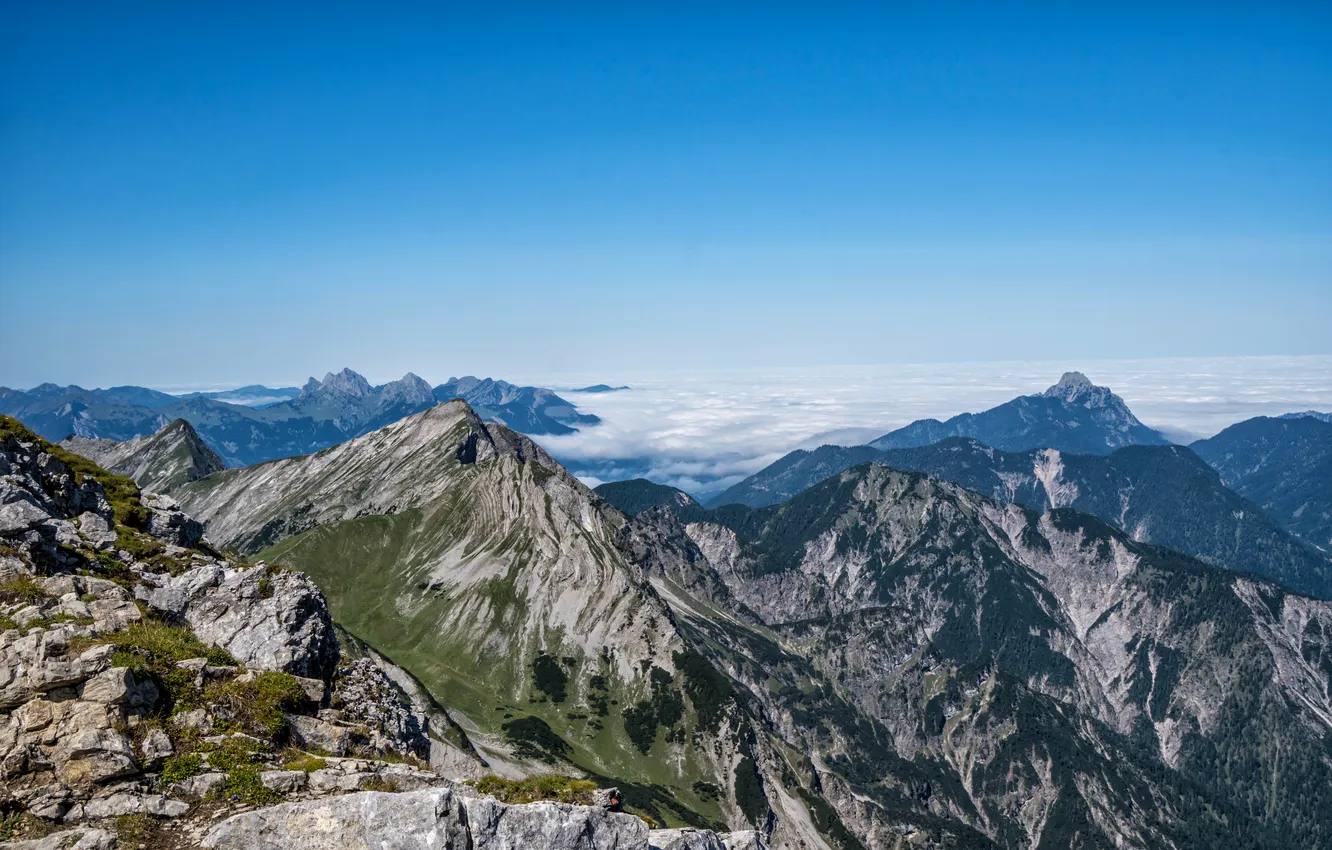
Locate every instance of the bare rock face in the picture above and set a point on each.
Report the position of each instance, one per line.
(370, 820)
(168, 522)
(267, 620)
(684, 839)
(434, 819)
(69, 839)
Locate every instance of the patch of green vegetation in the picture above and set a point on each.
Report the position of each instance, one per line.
(259, 705)
(709, 691)
(22, 589)
(561, 789)
(749, 794)
(665, 708)
(706, 791)
(6, 624)
(181, 766)
(243, 785)
(236, 751)
(156, 646)
(265, 588)
(163, 563)
(306, 762)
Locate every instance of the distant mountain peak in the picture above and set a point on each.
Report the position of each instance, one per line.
(347, 382)
(1073, 387)
(409, 388)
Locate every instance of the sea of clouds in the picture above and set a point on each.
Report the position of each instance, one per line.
(702, 431)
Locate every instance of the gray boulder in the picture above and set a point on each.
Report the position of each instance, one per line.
(537, 826)
(166, 521)
(746, 839)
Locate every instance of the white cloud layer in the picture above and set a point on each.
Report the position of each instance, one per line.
(703, 431)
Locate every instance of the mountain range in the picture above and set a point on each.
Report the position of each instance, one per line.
(1283, 464)
(1165, 495)
(341, 406)
(1074, 415)
(886, 659)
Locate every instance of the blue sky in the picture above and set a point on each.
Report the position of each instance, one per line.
(208, 194)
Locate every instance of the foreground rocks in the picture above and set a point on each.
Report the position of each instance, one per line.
(453, 818)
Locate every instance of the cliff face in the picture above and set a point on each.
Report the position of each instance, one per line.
(1036, 677)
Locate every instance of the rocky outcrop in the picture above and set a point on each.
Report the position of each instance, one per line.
(365, 694)
(68, 839)
(438, 819)
(453, 818)
(269, 619)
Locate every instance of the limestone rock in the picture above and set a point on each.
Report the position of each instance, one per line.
(155, 747)
(70, 839)
(126, 803)
(312, 733)
(431, 819)
(276, 621)
(168, 522)
(746, 839)
(96, 530)
(684, 839)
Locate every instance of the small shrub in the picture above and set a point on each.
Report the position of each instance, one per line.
(6, 624)
(159, 646)
(257, 706)
(243, 785)
(265, 589)
(306, 762)
(379, 783)
(232, 754)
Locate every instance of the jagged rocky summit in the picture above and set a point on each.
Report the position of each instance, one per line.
(173, 456)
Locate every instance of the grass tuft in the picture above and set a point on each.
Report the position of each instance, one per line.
(560, 789)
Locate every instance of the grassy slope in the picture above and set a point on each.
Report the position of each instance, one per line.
(359, 565)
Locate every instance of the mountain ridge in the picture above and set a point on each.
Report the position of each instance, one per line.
(1165, 495)
(323, 413)
(158, 463)
(1073, 415)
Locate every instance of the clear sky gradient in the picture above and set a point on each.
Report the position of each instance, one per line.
(211, 193)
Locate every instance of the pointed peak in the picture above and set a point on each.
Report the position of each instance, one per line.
(409, 388)
(347, 382)
(1072, 387)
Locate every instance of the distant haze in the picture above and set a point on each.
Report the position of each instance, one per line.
(698, 428)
